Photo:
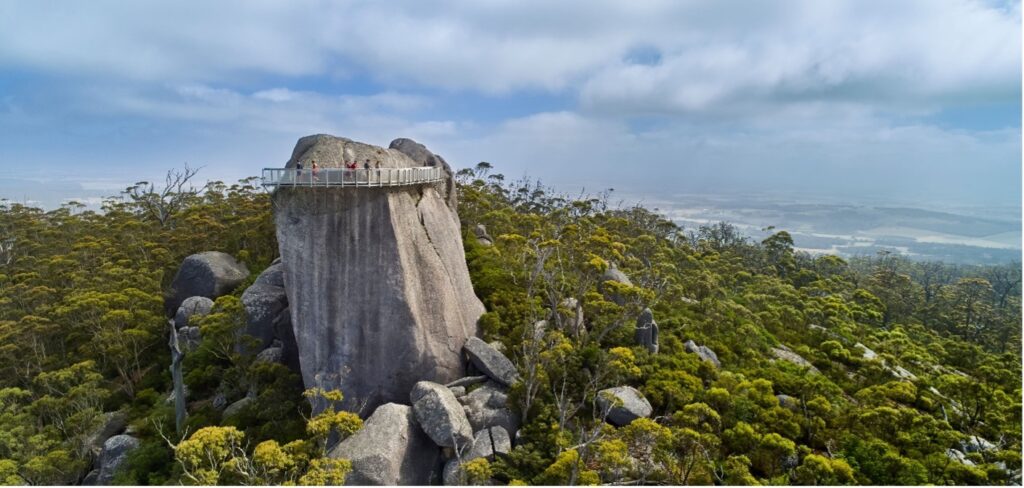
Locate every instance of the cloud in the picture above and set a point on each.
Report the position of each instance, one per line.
(834, 96)
(708, 51)
(860, 161)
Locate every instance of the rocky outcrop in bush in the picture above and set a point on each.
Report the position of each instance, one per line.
(440, 415)
(489, 361)
(192, 307)
(390, 449)
(646, 333)
(208, 274)
(704, 352)
(623, 405)
(378, 288)
(115, 451)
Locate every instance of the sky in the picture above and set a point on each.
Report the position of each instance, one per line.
(910, 100)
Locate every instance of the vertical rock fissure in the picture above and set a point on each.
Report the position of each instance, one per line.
(430, 240)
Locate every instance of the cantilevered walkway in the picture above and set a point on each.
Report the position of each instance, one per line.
(340, 177)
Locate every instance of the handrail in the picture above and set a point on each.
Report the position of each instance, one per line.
(341, 177)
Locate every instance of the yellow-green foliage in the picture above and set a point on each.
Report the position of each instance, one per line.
(83, 332)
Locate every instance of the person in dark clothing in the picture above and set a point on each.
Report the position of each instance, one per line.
(298, 170)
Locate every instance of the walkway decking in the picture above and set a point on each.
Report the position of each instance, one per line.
(339, 177)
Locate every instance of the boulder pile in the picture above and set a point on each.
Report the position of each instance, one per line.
(427, 442)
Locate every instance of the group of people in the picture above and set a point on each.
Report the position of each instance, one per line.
(350, 165)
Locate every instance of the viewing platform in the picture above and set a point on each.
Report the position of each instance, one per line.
(359, 178)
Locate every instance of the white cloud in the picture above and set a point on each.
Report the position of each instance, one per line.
(913, 162)
(711, 52)
(751, 95)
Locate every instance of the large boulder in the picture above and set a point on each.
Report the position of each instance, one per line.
(976, 444)
(646, 333)
(440, 415)
(272, 354)
(788, 402)
(704, 352)
(390, 449)
(377, 284)
(487, 406)
(272, 276)
(111, 423)
(786, 354)
(189, 338)
(263, 306)
(237, 407)
(453, 474)
(115, 451)
(489, 361)
(614, 274)
(959, 457)
(192, 307)
(624, 404)
(868, 353)
(482, 236)
(423, 157)
(490, 442)
(208, 274)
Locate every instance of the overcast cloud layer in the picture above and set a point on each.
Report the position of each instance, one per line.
(909, 100)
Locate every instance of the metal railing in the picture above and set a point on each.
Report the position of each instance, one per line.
(370, 178)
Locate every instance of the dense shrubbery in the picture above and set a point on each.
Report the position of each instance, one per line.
(83, 331)
(956, 329)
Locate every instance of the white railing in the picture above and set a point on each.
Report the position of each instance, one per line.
(373, 177)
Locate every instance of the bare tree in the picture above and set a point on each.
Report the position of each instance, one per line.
(162, 204)
(1005, 281)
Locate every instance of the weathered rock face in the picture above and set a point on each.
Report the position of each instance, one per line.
(272, 354)
(788, 402)
(488, 360)
(632, 404)
(614, 274)
(273, 276)
(489, 443)
(423, 157)
(377, 284)
(207, 274)
(646, 334)
(237, 407)
(192, 307)
(115, 451)
(263, 305)
(959, 457)
(482, 236)
(704, 352)
(487, 406)
(112, 423)
(189, 338)
(390, 449)
(786, 354)
(440, 415)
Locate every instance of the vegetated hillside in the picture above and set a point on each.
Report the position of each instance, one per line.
(830, 372)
